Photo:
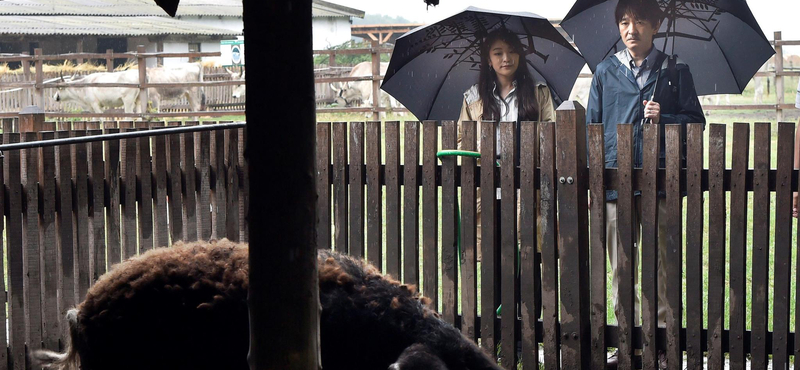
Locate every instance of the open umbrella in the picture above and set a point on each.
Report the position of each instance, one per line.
(432, 66)
(719, 40)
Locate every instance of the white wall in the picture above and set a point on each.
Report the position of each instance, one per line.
(330, 31)
(176, 47)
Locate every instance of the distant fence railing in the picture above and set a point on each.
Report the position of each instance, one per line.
(74, 209)
(35, 87)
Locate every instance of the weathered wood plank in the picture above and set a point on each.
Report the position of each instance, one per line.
(5, 313)
(64, 209)
(490, 281)
(649, 248)
(49, 244)
(174, 189)
(783, 247)
(468, 238)
(340, 219)
(550, 303)
(16, 307)
(449, 226)
(571, 163)
(145, 194)
(508, 242)
(694, 246)
(31, 269)
(430, 213)
(232, 168)
(159, 168)
(762, 148)
(112, 176)
(674, 244)
(738, 247)
(716, 244)
(218, 202)
(127, 171)
(392, 181)
(189, 185)
(97, 230)
(625, 252)
(528, 274)
(323, 187)
(356, 247)
(204, 231)
(374, 196)
(244, 194)
(597, 164)
(80, 171)
(411, 204)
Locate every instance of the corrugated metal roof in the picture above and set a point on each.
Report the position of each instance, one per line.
(116, 8)
(104, 26)
(321, 8)
(225, 8)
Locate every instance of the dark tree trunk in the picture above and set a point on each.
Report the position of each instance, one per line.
(283, 298)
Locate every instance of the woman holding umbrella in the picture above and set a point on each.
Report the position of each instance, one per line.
(504, 93)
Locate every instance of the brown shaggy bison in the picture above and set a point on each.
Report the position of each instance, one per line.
(185, 308)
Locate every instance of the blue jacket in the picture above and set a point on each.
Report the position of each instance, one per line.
(615, 98)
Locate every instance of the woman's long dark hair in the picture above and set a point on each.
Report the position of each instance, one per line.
(526, 98)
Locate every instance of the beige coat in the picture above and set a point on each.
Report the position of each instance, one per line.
(472, 110)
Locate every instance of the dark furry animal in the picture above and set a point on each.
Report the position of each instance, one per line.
(185, 308)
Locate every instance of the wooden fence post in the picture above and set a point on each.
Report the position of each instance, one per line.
(376, 78)
(778, 75)
(574, 246)
(31, 119)
(39, 77)
(26, 73)
(142, 78)
(110, 60)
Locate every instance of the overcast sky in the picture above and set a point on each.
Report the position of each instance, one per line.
(772, 15)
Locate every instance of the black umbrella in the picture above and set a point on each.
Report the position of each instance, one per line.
(720, 40)
(433, 65)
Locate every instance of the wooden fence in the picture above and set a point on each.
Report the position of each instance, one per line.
(71, 211)
(421, 198)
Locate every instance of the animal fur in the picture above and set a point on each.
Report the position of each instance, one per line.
(185, 308)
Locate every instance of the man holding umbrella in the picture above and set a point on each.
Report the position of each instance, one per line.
(628, 87)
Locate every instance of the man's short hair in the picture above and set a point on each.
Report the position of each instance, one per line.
(640, 9)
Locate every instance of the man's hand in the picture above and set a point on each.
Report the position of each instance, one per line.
(652, 110)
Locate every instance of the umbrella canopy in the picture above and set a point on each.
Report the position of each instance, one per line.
(719, 40)
(432, 66)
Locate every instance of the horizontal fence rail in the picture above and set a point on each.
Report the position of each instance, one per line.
(78, 200)
(387, 197)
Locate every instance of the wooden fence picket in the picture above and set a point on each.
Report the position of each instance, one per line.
(49, 251)
(490, 281)
(80, 171)
(31, 269)
(97, 228)
(232, 185)
(392, 199)
(716, 244)
(410, 203)
(112, 180)
(374, 195)
(467, 256)
(340, 218)
(449, 226)
(323, 187)
(783, 246)
(738, 246)
(16, 308)
(430, 213)
(159, 168)
(694, 246)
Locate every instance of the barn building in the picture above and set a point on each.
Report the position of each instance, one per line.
(94, 26)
